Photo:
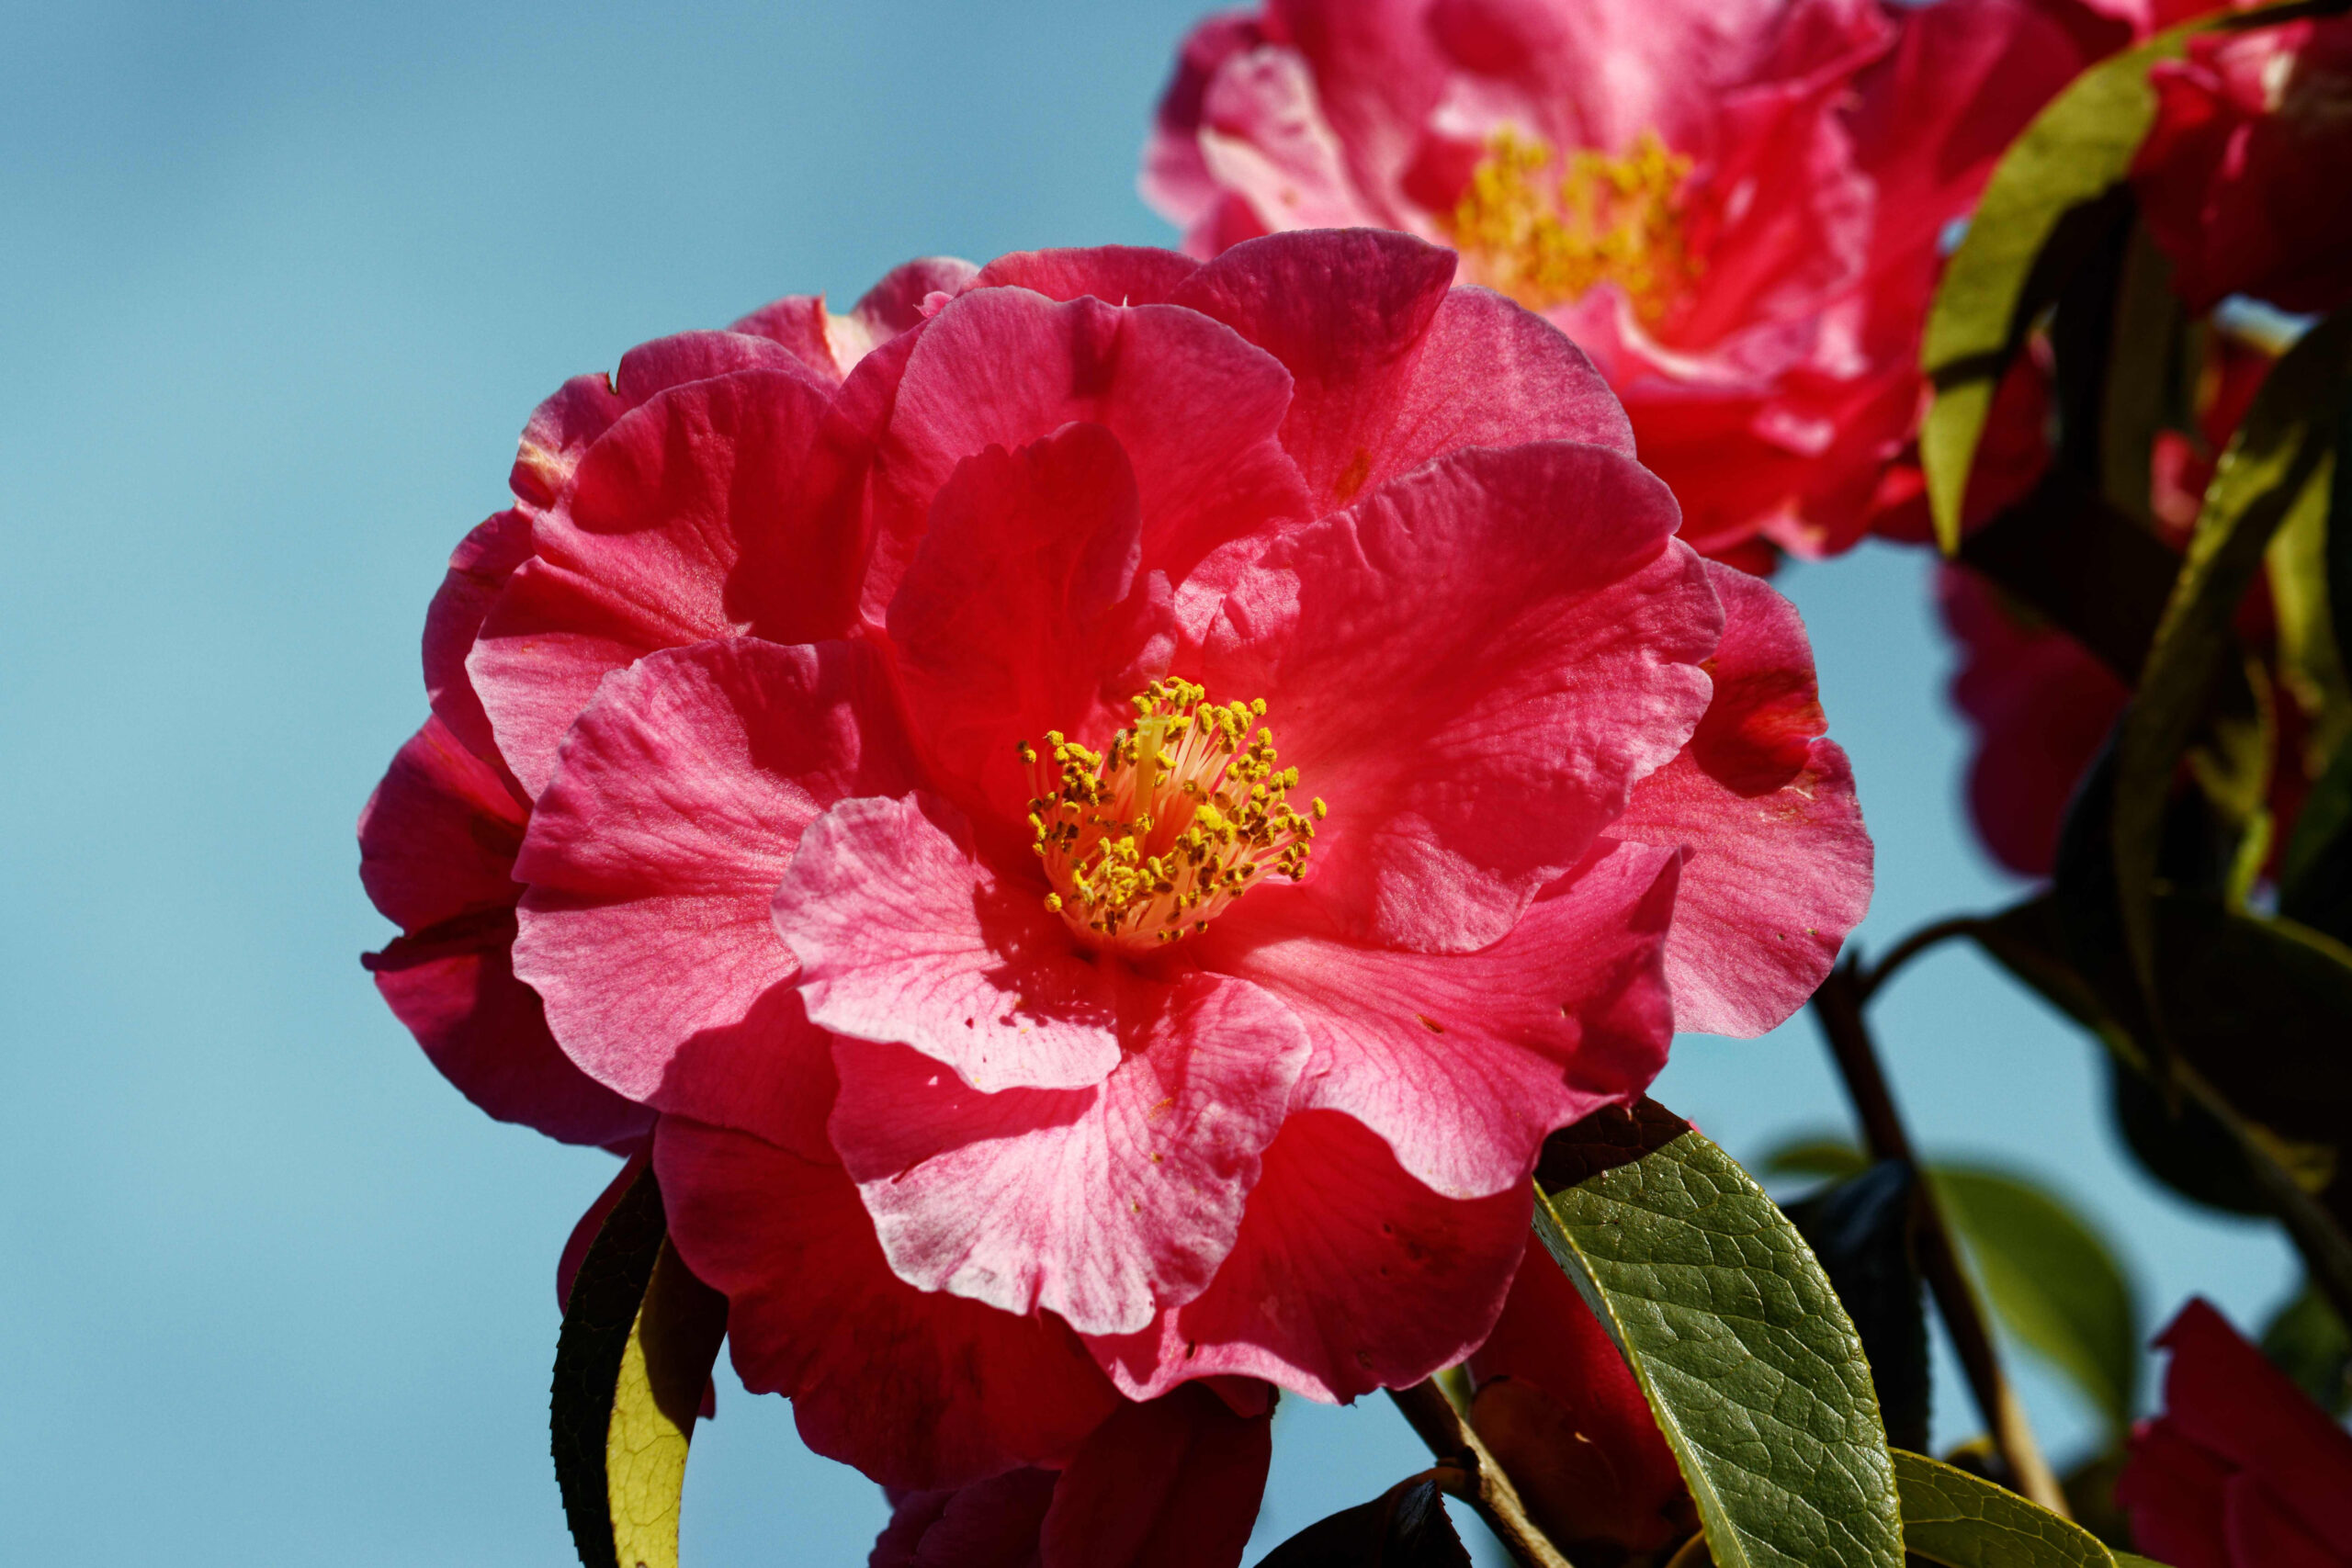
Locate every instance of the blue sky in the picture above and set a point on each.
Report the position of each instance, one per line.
(278, 286)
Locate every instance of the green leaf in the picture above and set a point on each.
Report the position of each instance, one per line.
(2315, 875)
(2310, 665)
(1861, 1229)
(1755, 1375)
(632, 1359)
(2149, 326)
(2260, 1005)
(1832, 1158)
(2053, 1282)
(1955, 1519)
(1405, 1528)
(2041, 216)
(2274, 464)
(2051, 203)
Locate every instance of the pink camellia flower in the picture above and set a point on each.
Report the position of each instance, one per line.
(592, 588)
(2241, 177)
(1175, 1482)
(1111, 836)
(2242, 1470)
(1735, 209)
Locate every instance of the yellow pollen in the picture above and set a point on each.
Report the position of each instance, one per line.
(1149, 839)
(1545, 234)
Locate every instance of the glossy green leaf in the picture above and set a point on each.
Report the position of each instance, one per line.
(1860, 1230)
(632, 1359)
(2053, 1282)
(2041, 214)
(2275, 463)
(2066, 554)
(1958, 1520)
(1406, 1528)
(1756, 1374)
(2047, 207)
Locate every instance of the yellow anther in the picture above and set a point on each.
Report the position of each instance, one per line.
(1546, 230)
(1147, 839)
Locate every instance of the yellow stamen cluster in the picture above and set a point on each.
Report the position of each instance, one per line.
(1146, 841)
(1545, 238)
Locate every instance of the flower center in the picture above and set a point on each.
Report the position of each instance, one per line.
(1147, 840)
(1544, 233)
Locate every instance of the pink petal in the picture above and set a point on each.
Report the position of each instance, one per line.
(1101, 1204)
(1176, 180)
(2174, 1493)
(915, 1388)
(454, 986)
(641, 552)
(2041, 705)
(2224, 1395)
(438, 837)
(1195, 407)
(990, 1524)
(1022, 614)
(1394, 366)
(904, 935)
(653, 368)
(832, 346)
(800, 322)
(896, 304)
(1264, 137)
(1473, 666)
(1173, 1484)
(1465, 1062)
(1777, 863)
(1548, 1337)
(558, 434)
(1116, 275)
(652, 858)
(479, 569)
(1348, 1276)
(438, 842)
(2262, 1530)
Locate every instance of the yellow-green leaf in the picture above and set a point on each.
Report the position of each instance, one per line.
(1958, 1520)
(639, 1335)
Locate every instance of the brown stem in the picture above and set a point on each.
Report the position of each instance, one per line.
(1910, 947)
(1467, 1471)
(1839, 1006)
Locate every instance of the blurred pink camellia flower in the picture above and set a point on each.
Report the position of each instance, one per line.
(2242, 177)
(2240, 1470)
(1031, 1032)
(1735, 209)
